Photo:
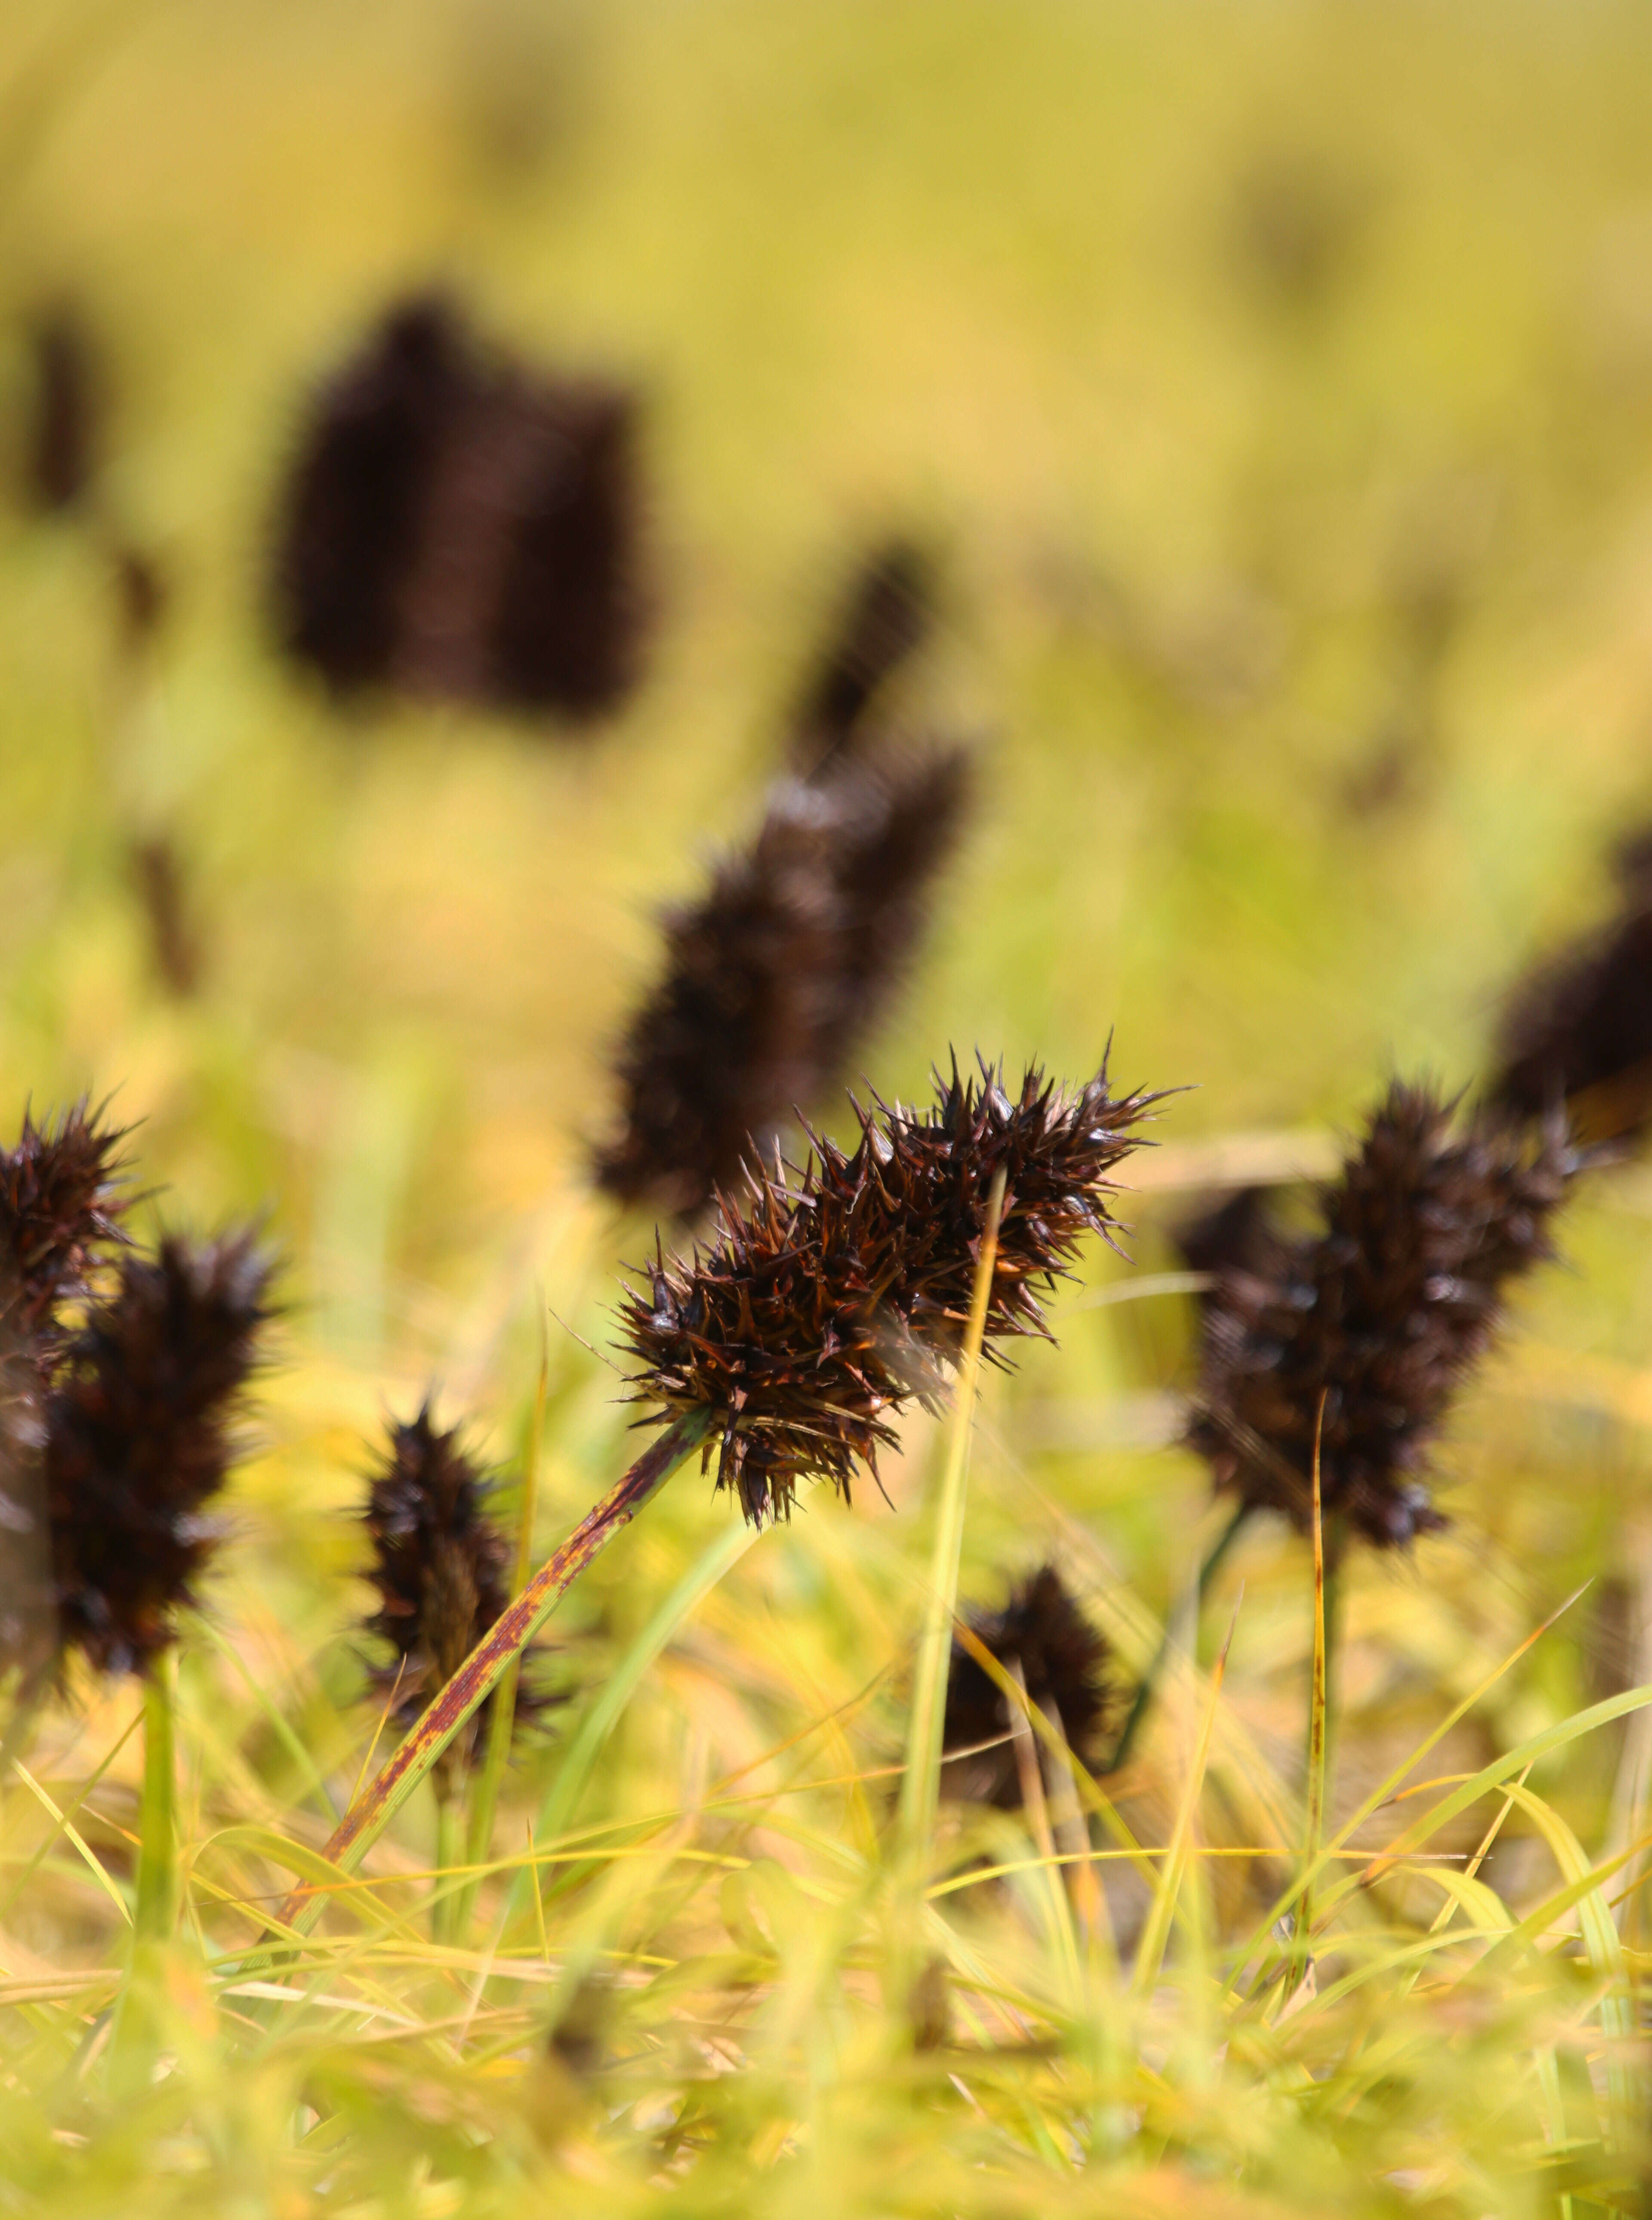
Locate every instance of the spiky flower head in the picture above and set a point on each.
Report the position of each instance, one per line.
(885, 618)
(1061, 1657)
(60, 1209)
(457, 524)
(1579, 1029)
(776, 973)
(139, 1441)
(440, 1566)
(1376, 1318)
(831, 1299)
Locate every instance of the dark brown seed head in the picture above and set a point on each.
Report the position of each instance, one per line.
(60, 1209)
(774, 975)
(1377, 1318)
(137, 1441)
(1061, 1658)
(63, 437)
(1579, 1030)
(885, 618)
(833, 1298)
(348, 533)
(1236, 1232)
(457, 525)
(439, 1565)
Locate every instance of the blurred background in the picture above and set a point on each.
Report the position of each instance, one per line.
(1274, 388)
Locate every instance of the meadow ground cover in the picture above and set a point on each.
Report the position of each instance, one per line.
(1269, 396)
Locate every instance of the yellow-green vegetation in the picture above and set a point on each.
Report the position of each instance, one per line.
(1279, 381)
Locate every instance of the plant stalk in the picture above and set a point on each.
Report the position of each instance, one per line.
(1150, 1681)
(155, 1914)
(503, 1643)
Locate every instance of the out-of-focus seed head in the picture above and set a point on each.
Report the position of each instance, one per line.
(456, 524)
(885, 618)
(1378, 1317)
(1063, 1660)
(440, 1566)
(1579, 1030)
(831, 1299)
(777, 973)
(62, 455)
(139, 1441)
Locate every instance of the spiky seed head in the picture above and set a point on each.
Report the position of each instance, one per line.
(885, 617)
(776, 974)
(1064, 1660)
(1236, 1232)
(1378, 1317)
(440, 1566)
(60, 1208)
(139, 1441)
(829, 1300)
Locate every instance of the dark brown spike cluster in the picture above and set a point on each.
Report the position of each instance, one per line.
(1061, 1657)
(60, 1208)
(440, 1567)
(886, 617)
(454, 524)
(1237, 1232)
(1378, 1317)
(833, 1298)
(773, 975)
(139, 1441)
(1579, 1030)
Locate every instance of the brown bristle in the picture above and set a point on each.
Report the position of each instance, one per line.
(457, 525)
(1063, 1660)
(439, 1565)
(829, 1300)
(137, 1441)
(776, 975)
(1376, 1318)
(885, 618)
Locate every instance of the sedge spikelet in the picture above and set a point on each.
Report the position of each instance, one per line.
(831, 1299)
(137, 1441)
(455, 524)
(1376, 1318)
(440, 1567)
(778, 970)
(60, 1208)
(1579, 1029)
(1064, 1660)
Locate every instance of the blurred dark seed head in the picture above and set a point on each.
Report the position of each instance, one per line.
(773, 977)
(139, 1441)
(886, 616)
(833, 1298)
(929, 2007)
(580, 2039)
(159, 878)
(61, 1202)
(347, 534)
(1579, 1029)
(62, 453)
(457, 525)
(1236, 1232)
(1063, 1664)
(440, 1567)
(1381, 1315)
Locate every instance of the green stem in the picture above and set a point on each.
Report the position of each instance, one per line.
(155, 1911)
(920, 1782)
(1150, 1681)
